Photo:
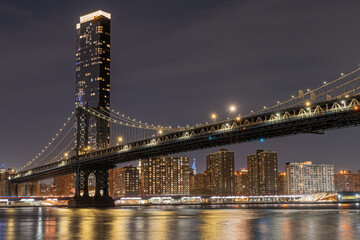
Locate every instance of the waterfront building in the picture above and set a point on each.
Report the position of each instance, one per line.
(347, 181)
(220, 172)
(93, 73)
(262, 173)
(64, 185)
(199, 184)
(165, 175)
(282, 183)
(308, 178)
(241, 182)
(125, 181)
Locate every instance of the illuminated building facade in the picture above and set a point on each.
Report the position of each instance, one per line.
(241, 182)
(165, 175)
(262, 173)
(125, 181)
(308, 178)
(93, 75)
(347, 181)
(220, 172)
(282, 183)
(199, 184)
(64, 185)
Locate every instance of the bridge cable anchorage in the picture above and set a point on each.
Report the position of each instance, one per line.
(49, 144)
(313, 91)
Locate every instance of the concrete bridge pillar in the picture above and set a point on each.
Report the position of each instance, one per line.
(4, 188)
(101, 198)
(14, 189)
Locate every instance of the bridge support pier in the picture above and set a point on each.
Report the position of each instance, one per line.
(101, 198)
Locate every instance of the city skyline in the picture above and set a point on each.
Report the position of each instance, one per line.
(34, 134)
(225, 120)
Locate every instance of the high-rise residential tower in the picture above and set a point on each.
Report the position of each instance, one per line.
(93, 78)
(241, 182)
(308, 178)
(220, 172)
(124, 181)
(165, 175)
(262, 173)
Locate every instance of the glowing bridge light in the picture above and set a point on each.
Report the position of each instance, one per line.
(213, 116)
(261, 139)
(232, 108)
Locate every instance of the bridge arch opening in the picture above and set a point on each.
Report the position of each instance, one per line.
(92, 184)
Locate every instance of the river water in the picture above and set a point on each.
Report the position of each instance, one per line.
(178, 222)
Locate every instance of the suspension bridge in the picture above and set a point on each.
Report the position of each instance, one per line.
(333, 105)
(95, 138)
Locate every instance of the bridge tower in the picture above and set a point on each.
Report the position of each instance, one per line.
(92, 80)
(92, 91)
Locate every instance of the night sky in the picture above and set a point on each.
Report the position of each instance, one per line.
(175, 62)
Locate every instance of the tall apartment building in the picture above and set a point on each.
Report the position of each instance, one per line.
(262, 173)
(241, 182)
(347, 181)
(220, 172)
(124, 181)
(165, 175)
(308, 178)
(93, 77)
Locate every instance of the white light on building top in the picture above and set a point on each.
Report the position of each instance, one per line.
(91, 16)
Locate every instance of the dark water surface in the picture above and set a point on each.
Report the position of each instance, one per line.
(176, 222)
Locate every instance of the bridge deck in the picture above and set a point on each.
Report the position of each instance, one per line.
(339, 113)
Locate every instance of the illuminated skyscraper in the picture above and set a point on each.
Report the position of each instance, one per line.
(308, 178)
(262, 173)
(220, 172)
(93, 78)
(165, 175)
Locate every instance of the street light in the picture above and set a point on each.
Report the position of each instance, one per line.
(232, 108)
(213, 117)
(120, 140)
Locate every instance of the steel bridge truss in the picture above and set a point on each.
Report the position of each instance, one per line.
(314, 118)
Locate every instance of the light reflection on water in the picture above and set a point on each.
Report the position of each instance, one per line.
(173, 222)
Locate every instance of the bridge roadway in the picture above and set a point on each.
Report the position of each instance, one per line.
(315, 118)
